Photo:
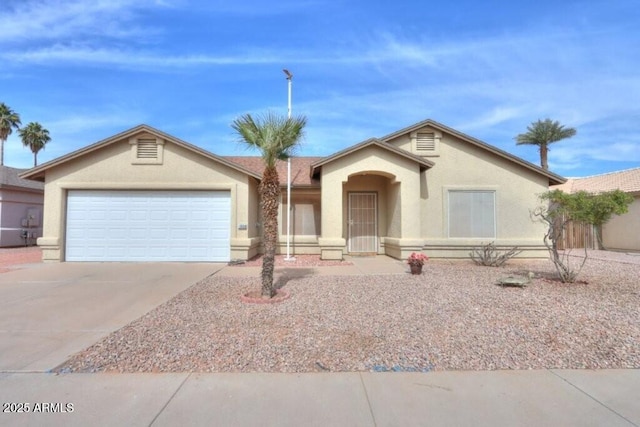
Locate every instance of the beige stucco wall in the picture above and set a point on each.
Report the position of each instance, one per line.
(460, 165)
(394, 210)
(111, 168)
(622, 232)
(383, 168)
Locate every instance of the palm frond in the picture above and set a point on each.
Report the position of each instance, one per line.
(9, 120)
(274, 136)
(544, 132)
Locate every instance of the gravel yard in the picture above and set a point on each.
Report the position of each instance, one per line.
(452, 317)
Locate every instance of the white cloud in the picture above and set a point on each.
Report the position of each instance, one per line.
(73, 124)
(60, 19)
(259, 8)
(75, 54)
(491, 85)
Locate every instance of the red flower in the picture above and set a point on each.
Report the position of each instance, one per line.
(417, 258)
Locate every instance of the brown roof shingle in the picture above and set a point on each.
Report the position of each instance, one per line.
(626, 180)
(300, 169)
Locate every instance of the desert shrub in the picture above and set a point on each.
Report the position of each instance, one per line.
(490, 256)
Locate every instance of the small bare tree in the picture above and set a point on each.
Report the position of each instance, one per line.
(560, 208)
(555, 224)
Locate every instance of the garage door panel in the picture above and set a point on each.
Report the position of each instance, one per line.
(119, 233)
(148, 225)
(120, 215)
(137, 215)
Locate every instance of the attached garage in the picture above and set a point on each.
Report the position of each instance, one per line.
(118, 225)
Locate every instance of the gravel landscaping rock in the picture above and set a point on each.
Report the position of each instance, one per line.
(294, 261)
(452, 317)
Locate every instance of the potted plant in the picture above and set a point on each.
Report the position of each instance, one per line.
(416, 260)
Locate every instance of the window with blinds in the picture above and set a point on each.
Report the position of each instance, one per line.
(305, 215)
(472, 214)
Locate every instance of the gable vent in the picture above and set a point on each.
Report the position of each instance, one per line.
(426, 141)
(147, 149)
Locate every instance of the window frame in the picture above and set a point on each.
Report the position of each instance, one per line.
(493, 191)
(302, 195)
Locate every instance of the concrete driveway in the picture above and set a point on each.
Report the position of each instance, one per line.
(50, 311)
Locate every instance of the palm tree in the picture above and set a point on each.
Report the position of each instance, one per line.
(542, 133)
(275, 137)
(35, 137)
(9, 120)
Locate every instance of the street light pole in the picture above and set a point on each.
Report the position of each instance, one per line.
(288, 258)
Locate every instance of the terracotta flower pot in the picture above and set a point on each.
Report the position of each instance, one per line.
(416, 268)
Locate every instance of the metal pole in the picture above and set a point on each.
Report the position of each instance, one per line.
(289, 258)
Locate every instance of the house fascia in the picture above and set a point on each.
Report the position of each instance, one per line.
(554, 179)
(422, 162)
(38, 173)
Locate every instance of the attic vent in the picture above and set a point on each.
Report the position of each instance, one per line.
(425, 141)
(147, 149)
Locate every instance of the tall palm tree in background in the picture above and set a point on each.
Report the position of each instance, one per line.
(9, 120)
(275, 137)
(542, 133)
(35, 137)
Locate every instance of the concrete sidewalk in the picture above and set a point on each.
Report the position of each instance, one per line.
(490, 398)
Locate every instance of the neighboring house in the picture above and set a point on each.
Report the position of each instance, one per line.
(146, 195)
(20, 208)
(622, 232)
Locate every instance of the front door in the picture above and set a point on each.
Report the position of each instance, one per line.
(363, 223)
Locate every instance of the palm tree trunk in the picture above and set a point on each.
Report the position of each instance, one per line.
(35, 159)
(543, 156)
(270, 191)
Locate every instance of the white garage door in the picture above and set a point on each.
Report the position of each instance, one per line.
(148, 225)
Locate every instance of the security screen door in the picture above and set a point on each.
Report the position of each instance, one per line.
(363, 223)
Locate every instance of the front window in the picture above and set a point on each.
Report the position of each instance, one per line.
(472, 214)
(305, 214)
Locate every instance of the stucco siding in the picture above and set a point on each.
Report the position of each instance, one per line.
(465, 167)
(371, 168)
(460, 165)
(622, 232)
(253, 209)
(394, 210)
(111, 168)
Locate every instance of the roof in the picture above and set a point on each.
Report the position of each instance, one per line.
(300, 167)
(304, 170)
(625, 180)
(9, 177)
(424, 163)
(37, 173)
(553, 178)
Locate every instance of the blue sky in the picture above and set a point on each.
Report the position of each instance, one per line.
(87, 70)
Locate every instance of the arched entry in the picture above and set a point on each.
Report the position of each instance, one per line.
(365, 210)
